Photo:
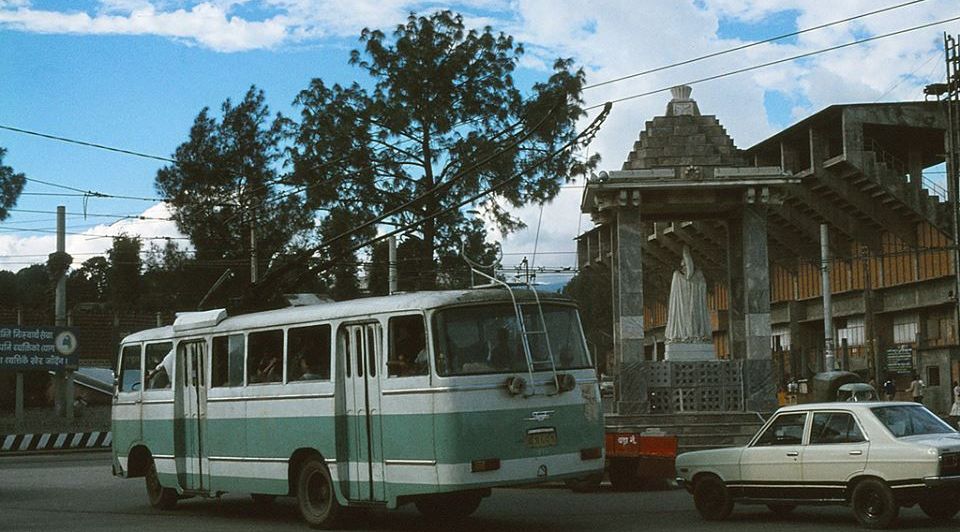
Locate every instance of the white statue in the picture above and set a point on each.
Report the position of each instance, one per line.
(688, 320)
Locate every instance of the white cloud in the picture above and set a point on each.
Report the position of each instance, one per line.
(17, 251)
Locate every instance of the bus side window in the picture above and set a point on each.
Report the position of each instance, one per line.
(308, 353)
(130, 369)
(227, 361)
(265, 356)
(408, 347)
(159, 378)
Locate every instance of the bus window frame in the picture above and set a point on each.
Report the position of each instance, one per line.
(120, 367)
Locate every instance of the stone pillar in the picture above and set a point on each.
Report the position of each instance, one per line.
(628, 309)
(749, 268)
(756, 273)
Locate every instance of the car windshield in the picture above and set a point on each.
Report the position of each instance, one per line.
(908, 420)
(487, 339)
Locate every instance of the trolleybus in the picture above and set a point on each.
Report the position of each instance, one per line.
(431, 398)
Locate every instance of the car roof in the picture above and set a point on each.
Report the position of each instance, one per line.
(844, 405)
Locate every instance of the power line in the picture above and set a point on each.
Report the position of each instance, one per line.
(87, 144)
(141, 237)
(749, 45)
(778, 61)
(96, 215)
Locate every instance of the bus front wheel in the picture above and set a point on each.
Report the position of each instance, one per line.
(160, 498)
(315, 496)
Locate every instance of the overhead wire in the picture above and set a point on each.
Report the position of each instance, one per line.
(776, 62)
(750, 45)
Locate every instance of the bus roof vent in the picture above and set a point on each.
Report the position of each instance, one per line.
(195, 320)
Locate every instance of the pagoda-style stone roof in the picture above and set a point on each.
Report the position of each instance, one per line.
(683, 137)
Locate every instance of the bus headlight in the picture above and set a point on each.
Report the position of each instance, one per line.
(516, 385)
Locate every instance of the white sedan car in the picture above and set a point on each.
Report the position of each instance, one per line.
(875, 456)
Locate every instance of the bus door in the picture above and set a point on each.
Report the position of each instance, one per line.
(190, 412)
(360, 437)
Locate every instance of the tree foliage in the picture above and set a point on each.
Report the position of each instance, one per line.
(443, 121)
(124, 272)
(226, 181)
(11, 185)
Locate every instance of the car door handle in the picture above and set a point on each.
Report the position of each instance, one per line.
(793, 453)
(856, 453)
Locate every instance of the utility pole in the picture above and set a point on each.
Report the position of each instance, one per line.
(392, 261)
(253, 251)
(868, 318)
(951, 49)
(65, 379)
(829, 358)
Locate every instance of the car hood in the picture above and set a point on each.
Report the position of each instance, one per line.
(729, 455)
(943, 442)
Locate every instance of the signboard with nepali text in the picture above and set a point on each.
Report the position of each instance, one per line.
(37, 348)
(900, 359)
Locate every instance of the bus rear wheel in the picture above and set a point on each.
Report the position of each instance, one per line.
(446, 506)
(315, 495)
(160, 498)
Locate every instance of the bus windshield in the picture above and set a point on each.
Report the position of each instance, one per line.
(487, 339)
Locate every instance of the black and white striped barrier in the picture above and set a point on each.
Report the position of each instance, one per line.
(22, 443)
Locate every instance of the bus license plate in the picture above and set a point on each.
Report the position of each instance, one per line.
(542, 437)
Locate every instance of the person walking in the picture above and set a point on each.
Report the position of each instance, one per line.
(889, 389)
(916, 389)
(955, 409)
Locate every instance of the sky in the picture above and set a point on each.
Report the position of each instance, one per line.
(133, 74)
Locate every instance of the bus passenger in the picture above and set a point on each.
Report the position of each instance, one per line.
(307, 373)
(159, 376)
(268, 370)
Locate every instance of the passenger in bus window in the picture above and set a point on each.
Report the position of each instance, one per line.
(159, 376)
(408, 356)
(269, 369)
(307, 371)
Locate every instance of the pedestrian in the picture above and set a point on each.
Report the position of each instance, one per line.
(889, 389)
(955, 408)
(916, 389)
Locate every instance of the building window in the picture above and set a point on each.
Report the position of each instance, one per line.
(933, 376)
(905, 329)
(780, 339)
(852, 332)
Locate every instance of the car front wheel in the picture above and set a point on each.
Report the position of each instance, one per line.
(712, 499)
(873, 504)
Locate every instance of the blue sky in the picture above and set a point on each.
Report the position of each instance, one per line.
(134, 74)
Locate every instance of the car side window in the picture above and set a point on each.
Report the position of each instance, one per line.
(835, 427)
(786, 429)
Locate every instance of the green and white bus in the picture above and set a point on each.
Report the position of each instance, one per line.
(432, 398)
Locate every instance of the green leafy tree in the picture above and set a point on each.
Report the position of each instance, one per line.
(225, 183)
(169, 279)
(124, 272)
(89, 283)
(442, 122)
(34, 289)
(11, 185)
(592, 290)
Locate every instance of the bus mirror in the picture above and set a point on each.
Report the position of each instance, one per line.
(516, 385)
(566, 382)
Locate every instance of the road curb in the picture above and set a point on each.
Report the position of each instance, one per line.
(47, 442)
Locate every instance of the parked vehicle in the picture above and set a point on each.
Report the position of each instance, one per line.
(430, 398)
(874, 456)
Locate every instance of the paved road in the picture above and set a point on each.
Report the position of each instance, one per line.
(77, 492)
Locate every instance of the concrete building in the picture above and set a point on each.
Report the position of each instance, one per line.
(868, 171)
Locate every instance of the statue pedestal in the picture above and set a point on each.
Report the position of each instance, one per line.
(690, 352)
